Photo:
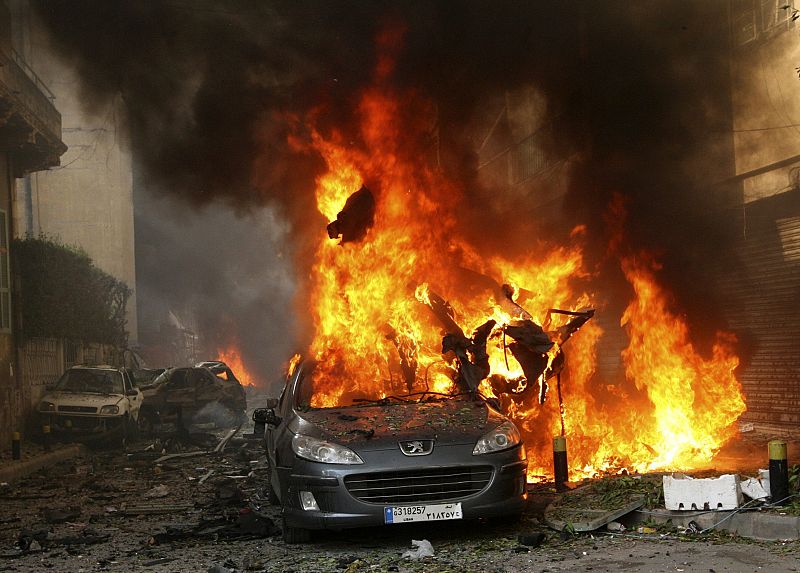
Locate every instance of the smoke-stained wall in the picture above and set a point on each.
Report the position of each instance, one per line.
(761, 291)
(87, 200)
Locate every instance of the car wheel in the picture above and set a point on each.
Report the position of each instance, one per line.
(293, 535)
(272, 496)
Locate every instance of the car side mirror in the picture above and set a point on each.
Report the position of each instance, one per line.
(271, 418)
(131, 393)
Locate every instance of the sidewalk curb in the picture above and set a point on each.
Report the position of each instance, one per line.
(760, 525)
(16, 470)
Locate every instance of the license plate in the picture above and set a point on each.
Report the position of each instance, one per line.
(411, 513)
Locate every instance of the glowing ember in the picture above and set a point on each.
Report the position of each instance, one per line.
(232, 357)
(375, 334)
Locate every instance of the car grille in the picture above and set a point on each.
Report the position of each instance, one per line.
(78, 409)
(412, 486)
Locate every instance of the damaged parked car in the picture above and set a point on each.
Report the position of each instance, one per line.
(420, 457)
(192, 395)
(92, 400)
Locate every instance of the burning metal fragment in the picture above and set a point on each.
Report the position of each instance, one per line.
(539, 352)
(355, 219)
(407, 351)
(471, 352)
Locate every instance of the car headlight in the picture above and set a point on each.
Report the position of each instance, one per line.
(503, 437)
(109, 410)
(318, 450)
(45, 406)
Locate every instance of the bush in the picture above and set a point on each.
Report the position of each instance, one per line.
(64, 295)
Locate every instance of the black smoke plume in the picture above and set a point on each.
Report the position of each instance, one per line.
(636, 96)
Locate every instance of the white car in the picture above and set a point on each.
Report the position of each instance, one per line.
(92, 399)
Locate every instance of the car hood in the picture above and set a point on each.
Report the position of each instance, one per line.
(81, 399)
(375, 427)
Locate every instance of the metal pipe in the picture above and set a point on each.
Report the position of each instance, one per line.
(560, 467)
(778, 472)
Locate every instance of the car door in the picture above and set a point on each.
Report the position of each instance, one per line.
(179, 391)
(207, 386)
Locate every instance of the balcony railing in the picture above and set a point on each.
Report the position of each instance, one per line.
(29, 96)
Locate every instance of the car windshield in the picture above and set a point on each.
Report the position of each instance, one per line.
(318, 389)
(92, 381)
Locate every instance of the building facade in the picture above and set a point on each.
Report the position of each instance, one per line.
(762, 294)
(88, 200)
(30, 141)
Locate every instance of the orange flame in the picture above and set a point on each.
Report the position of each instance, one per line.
(231, 356)
(695, 400)
(370, 300)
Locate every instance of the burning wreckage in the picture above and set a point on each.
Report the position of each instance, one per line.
(422, 455)
(538, 351)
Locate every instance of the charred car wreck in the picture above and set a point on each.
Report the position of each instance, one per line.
(188, 395)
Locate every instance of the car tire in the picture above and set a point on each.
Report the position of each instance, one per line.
(272, 496)
(295, 535)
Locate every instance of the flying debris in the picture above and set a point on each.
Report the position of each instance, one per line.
(355, 219)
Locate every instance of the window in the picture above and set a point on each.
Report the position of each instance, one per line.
(5, 276)
(744, 21)
(774, 13)
(760, 19)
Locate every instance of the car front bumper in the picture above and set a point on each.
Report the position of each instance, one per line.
(73, 423)
(501, 487)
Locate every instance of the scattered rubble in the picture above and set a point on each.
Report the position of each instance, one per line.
(96, 517)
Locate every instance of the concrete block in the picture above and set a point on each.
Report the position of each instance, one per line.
(682, 492)
(763, 477)
(753, 488)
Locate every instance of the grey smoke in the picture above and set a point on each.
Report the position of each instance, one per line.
(230, 272)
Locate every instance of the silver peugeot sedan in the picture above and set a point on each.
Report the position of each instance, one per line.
(412, 458)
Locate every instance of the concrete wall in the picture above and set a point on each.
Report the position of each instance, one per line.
(88, 200)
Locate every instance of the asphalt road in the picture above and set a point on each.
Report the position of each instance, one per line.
(81, 516)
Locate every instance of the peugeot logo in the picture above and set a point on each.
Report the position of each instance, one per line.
(417, 447)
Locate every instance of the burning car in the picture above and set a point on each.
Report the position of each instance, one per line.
(423, 456)
(92, 399)
(194, 394)
(219, 369)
